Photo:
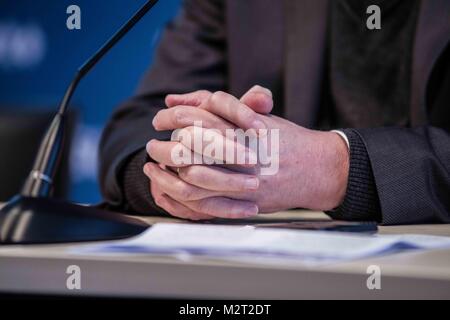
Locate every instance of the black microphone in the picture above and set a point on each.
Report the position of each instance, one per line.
(33, 217)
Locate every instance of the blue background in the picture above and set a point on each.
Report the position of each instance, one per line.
(39, 56)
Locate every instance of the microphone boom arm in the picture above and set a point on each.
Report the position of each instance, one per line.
(40, 180)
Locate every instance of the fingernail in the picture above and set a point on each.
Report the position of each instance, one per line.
(252, 184)
(251, 211)
(148, 146)
(265, 90)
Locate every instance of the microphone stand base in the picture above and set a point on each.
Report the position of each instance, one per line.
(26, 220)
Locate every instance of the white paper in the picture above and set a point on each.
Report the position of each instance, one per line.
(244, 243)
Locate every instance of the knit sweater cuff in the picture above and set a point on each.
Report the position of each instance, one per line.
(361, 202)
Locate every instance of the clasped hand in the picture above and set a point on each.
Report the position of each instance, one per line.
(312, 166)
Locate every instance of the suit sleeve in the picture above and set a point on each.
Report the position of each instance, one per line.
(411, 169)
(190, 56)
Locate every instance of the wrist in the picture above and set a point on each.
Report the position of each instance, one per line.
(338, 169)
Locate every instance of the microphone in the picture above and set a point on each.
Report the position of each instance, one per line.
(32, 216)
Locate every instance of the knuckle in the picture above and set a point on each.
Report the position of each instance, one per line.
(199, 96)
(247, 114)
(204, 207)
(193, 173)
(159, 200)
(233, 182)
(185, 192)
(179, 116)
(204, 93)
(218, 97)
(220, 94)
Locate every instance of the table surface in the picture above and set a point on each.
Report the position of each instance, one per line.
(41, 269)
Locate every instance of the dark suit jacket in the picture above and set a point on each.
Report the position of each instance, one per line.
(232, 45)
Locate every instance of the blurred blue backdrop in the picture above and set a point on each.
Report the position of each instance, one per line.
(39, 56)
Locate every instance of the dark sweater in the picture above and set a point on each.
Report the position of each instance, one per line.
(368, 76)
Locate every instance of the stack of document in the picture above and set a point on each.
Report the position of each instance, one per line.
(252, 244)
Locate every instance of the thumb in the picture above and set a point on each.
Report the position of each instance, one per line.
(259, 99)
